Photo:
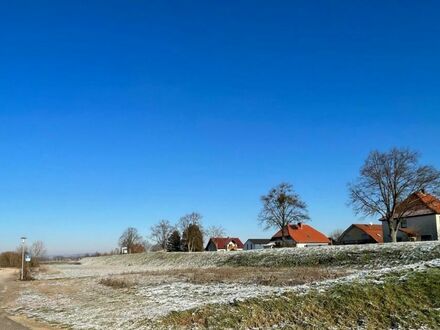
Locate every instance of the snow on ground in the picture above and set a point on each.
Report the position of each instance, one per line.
(97, 307)
(71, 295)
(367, 255)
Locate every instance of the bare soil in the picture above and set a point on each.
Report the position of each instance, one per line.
(9, 288)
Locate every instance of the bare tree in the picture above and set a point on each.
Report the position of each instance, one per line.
(282, 207)
(385, 183)
(335, 234)
(160, 233)
(193, 218)
(38, 251)
(147, 245)
(130, 238)
(215, 231)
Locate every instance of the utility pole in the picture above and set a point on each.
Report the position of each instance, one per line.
(22, 257)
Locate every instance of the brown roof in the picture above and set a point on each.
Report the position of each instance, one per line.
(303, 234)
(374, 231)
(222, 242)
(420, 203)
(430, 201)
(408, 232)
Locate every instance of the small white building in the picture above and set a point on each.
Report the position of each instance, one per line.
(256, 243)
(421, 222)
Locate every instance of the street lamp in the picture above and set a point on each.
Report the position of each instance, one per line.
(23, 239)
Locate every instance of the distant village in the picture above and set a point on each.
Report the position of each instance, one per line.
(421, 224)
(392, 187)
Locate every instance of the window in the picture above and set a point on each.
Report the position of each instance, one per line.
(426, 238)
(404, 224)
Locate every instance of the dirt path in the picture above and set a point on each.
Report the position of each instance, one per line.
(6, 276)
(8, 291)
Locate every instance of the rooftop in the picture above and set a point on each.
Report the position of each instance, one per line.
(302, 233)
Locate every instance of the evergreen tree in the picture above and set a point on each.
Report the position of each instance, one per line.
(192, 239)
(174, 243)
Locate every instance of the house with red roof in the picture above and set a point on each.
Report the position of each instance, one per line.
(421, 222)
(224, 244)
(300, 235)
(361, 234)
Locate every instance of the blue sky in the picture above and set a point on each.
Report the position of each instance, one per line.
(116, 113)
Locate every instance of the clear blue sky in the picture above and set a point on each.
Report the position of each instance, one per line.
(120, 113)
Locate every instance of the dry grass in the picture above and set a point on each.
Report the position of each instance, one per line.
(116, 283)
(250, 275)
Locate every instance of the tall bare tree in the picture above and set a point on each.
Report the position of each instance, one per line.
(193, 218)
(38, 251)
(335, 234)
(130, 238)
(215, 231)
(385, 182)
(282, 207)
(160, 233)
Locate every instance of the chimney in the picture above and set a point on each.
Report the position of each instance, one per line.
(300, 225)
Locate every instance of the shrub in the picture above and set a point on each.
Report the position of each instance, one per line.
(10, 259)
(115, 283)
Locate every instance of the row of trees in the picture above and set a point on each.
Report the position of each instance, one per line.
(383, 186)
(188, 235)
(13, 258)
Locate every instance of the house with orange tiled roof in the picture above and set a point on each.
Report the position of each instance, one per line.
(300, 235)
(361, 234)
(421, 222)
(224, 244)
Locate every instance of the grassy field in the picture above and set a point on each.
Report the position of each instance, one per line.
(369, 286)
(402, 300)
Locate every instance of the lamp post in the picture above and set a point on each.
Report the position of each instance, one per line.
(23, 239)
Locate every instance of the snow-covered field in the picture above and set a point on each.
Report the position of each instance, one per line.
(71, 295)
(94, 306)
(353, 256)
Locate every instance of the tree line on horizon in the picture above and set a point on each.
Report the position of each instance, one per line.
(37, 251)
(385, 181)
(187, 235)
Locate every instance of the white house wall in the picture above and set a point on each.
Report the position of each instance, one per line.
(252, 246)
(309, 244)
(438, 226)
(422, 225)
